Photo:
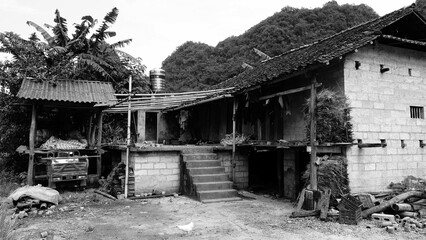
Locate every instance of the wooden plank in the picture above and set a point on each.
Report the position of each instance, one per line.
(33, 129)
(301, 200)
(291, 91)
(324, 203)
(305, 213)
(313, 134)
(141, 126)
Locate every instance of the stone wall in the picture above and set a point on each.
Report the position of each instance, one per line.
(241, 169)
(155, 170)
(381, 110)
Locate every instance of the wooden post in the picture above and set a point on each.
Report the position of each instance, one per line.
(33, 130)
(129, 122)
(93, 133)
(99, 144)
(313, 134)
(141, 125)
(234, 111)
(89, 130)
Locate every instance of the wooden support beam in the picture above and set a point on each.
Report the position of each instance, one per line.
(141, 126)
(313, 134)
(234, 112)
(33, 129)
(99, 144)
(291, 91)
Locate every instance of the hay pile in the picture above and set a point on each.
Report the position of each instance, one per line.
(333, 118)
(332, 174)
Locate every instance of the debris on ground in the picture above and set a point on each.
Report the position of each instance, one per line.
(113, 184)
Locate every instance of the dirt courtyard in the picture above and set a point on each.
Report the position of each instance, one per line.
(89, 216)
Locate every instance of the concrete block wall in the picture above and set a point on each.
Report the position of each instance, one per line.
(241, 180)
(381, 110)
(155, 170)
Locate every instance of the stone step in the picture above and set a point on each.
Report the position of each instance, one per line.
(206, 170)
(205, 186)
(199, 156)
(231, 199)
(209, 178)
(216, 194)
(203, 163)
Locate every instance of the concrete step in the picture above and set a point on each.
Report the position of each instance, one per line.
(216, 194)
(209, 178)
(231, 199)
(205, 186)
(206, 170)
(203, 163)
(199, 156)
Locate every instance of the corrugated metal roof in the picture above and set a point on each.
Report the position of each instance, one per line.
(76, 91)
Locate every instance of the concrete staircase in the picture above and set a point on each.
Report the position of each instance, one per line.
(208, 178)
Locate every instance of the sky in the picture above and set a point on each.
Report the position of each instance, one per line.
(158, 27)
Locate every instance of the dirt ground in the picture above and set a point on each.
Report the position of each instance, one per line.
(86, 215)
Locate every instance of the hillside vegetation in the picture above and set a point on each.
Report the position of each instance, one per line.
(194, 65)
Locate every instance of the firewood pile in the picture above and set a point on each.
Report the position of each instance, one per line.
(114, 183)
(403, 209)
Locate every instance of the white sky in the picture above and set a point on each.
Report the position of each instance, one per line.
(158, 27)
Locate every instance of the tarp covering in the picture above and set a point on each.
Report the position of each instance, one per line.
(43, 194)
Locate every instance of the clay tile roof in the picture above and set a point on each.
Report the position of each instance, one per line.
(321, 51)
(75, 91)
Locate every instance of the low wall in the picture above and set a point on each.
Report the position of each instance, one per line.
(155, 170)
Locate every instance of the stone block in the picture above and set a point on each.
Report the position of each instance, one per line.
(173, 178)
(153, 172)
(159, 165)
(140, 172)
(370, 166)
(147, 165)
(172, 165)
(166, 171)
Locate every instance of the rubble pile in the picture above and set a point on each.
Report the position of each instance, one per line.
(34, 200)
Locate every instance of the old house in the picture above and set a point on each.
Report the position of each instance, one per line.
(378, 66)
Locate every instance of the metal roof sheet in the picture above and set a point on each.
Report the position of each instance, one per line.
(75, 91)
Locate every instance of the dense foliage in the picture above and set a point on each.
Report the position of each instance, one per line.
(83, 54)
(196, 65)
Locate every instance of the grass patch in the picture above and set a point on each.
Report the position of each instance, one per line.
(6, 223)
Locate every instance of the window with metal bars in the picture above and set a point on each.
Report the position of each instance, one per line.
(417, 112)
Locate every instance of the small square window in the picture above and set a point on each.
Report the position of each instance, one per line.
(417, 112)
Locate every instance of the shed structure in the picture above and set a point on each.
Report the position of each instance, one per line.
(61, 106)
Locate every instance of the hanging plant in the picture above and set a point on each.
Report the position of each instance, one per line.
(333, 118)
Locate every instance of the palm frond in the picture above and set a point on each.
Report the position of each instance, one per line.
(43, 32)
(60, 30)
(100, 34)
(95, 59)
(121, 44)
(96, 67)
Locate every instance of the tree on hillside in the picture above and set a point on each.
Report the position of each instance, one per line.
(285, 30)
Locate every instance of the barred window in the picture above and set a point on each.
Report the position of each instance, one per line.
(417, 112)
